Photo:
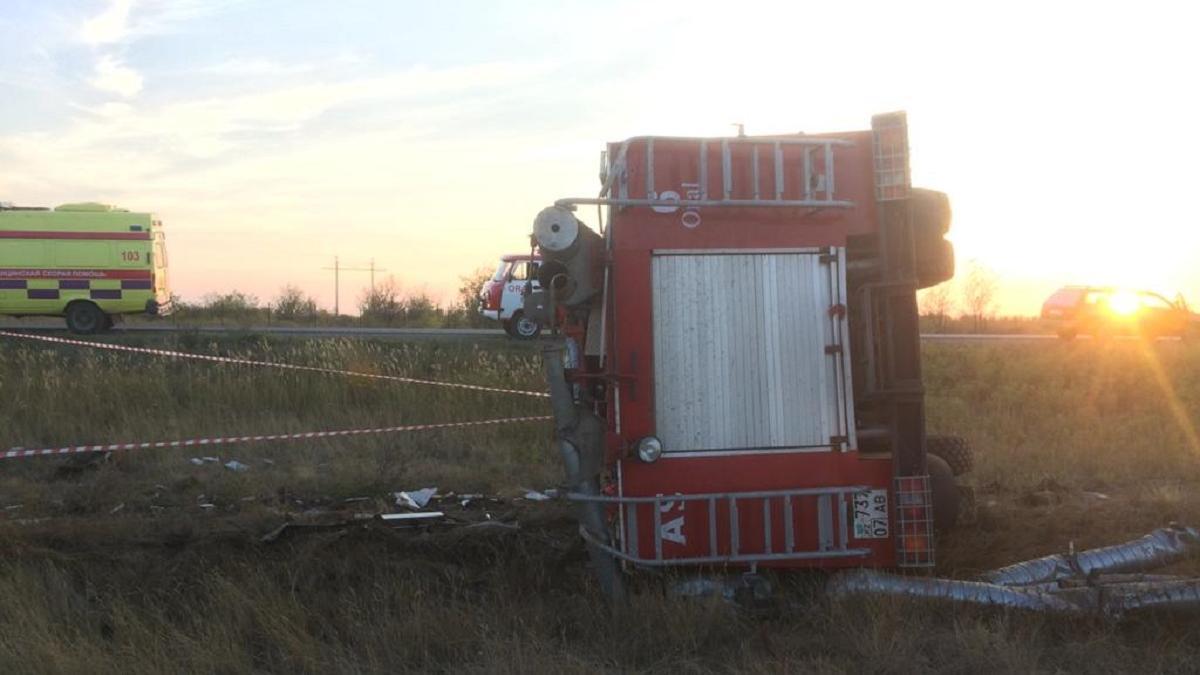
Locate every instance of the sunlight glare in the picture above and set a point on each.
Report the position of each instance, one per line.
(1124, 303)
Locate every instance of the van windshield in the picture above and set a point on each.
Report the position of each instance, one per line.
(500, 272)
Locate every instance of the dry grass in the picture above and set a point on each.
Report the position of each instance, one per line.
(164, 586)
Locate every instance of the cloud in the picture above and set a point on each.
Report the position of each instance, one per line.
(114, 76)
(110, 26)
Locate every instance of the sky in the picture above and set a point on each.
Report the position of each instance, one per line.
(272, 135)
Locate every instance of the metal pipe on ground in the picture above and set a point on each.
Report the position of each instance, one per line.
(1157, 549)
(1096, 581)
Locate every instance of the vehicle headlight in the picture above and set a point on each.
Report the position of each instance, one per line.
(649, 449)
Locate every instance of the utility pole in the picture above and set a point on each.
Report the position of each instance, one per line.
(337, 280)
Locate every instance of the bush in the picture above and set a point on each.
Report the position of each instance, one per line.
(382, 303)
(294, 305)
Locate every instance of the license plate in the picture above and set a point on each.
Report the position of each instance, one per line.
(871, 514)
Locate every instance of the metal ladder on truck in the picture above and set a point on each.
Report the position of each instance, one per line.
(730, 544)
(814, 168)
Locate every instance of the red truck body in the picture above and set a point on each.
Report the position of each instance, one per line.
(731, 333)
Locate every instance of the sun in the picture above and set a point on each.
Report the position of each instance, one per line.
(1124, 303)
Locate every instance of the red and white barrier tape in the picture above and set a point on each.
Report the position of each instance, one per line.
(269, 364)
(20, 453)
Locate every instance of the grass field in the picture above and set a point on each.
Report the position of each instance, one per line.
(148, 563)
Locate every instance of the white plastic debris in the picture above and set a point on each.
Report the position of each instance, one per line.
(535, 496)
(197, 461)
(429, 515)
(234, 465)
(211, 460)
(415, 499)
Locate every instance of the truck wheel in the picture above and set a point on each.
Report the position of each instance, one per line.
(84, 318)
(524, 328)
(930, 223)
(953, 450)
(935, 263)
(946, 500)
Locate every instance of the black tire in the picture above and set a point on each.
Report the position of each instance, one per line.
(84, 318)
(523, 328)
(930, 222)
(935, 263)
(953, 450)
(508, 328)
(947, 503)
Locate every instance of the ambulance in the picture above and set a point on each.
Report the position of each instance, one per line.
(502, 297)
(90, 263)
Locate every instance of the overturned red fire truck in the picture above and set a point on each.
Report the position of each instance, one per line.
(734, 363)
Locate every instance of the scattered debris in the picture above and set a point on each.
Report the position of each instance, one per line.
(416, 499)
(745, 589)
(492, 525)
(197, 461)
(274, 534)
(535, 496)
(14, 507)
(418, 517)
(1042, 498)
(234, 465)
(116, 509)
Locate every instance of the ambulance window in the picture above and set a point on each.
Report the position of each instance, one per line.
(520, 271)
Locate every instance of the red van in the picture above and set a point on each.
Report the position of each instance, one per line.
(1104, 312)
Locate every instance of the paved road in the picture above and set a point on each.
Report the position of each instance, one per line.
(303, 331)
(423, 333)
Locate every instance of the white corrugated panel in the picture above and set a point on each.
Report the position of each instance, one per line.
(739, 352)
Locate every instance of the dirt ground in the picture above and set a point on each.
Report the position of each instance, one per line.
(502, 586)
(150, 563)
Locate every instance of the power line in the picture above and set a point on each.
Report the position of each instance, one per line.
(337, 280)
